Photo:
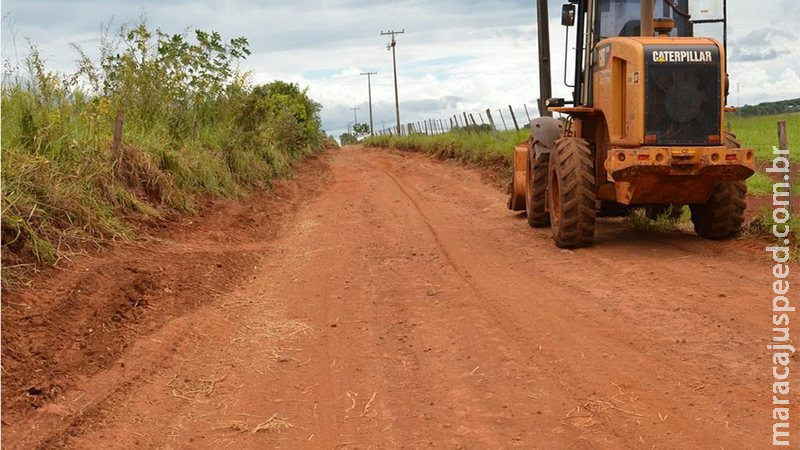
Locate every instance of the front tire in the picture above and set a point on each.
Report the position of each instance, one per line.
(571, 193)
(536, 189)
(722, 216)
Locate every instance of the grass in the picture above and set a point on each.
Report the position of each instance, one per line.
(638, 221)
(484, 149)
(761, 133)
(762, 225)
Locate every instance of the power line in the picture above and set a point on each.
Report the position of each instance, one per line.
(369, 90)
(394, 13)
(392, 45)
(414, 19)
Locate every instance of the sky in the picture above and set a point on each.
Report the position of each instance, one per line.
(455, 56)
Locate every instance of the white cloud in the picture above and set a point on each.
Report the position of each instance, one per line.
(455, 56)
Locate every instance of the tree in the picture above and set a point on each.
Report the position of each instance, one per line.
(360, 130)
(347, 139)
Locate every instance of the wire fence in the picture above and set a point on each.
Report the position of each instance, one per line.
(488, 121)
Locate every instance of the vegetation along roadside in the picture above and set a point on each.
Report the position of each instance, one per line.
(159, 121)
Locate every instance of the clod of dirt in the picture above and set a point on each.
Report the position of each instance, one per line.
(35, 391)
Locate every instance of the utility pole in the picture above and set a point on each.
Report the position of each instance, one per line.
(391, 47)
(355, 114)
(369, 90)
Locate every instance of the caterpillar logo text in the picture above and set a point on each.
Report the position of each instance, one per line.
(683, 56)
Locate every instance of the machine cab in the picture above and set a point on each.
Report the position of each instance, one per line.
(622, 18)
(641, 66)
(591, 21)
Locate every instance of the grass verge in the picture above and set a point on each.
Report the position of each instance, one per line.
(493, 150)
(192, 125)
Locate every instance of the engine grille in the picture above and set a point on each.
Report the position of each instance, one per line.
(682, 94)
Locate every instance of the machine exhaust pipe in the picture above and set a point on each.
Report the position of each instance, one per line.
(646, 22)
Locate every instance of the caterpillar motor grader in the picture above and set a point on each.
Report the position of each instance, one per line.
(644, 127)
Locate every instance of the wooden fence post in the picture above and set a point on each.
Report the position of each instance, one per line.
(527, 114)
(491, 121)
(513, 117)
(116, 146)
(783, 144)
(466, 120)
(503, 119)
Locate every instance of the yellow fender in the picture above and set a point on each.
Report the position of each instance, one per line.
(516, 200)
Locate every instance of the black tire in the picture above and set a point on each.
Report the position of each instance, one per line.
(722, 216)
(536, 189)
(729, 140)
(571, 193)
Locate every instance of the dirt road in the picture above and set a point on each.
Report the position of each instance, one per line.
(399, 306)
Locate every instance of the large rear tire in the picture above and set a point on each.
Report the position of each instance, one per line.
(571, 193)
(722, 216)
(536, 189)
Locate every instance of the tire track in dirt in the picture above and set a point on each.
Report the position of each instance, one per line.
(627, 291)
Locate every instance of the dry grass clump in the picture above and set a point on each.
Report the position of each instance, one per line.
(274, 424)
(193, 389)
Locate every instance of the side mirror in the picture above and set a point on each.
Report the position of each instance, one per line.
(568, 15)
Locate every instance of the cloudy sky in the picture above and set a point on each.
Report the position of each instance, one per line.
(455, 56)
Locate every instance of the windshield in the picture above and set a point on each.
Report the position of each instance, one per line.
(621, 17)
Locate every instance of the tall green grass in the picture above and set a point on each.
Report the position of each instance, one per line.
(761, 133)
(193, 124)
(488, 149)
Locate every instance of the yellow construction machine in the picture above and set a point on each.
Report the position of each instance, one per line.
(645, 125)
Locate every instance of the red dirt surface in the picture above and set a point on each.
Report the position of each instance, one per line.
(384, 300)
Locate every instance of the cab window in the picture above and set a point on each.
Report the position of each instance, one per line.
(621, 17)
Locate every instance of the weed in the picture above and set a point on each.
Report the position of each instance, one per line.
(762, 226)
(667, 220)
